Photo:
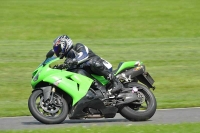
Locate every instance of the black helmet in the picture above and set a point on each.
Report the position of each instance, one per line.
(62, 45)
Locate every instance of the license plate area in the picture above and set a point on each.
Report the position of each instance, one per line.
(146, 79)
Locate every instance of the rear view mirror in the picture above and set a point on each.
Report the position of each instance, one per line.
(50, 53)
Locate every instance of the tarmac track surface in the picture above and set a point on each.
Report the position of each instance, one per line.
(167, 116)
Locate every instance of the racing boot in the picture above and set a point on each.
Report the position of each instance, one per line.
(116, 84)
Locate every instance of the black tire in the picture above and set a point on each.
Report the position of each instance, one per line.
(33, 107)
(134, 114)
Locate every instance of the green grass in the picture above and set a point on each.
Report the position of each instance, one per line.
(165, 35)
(46, 19)
(158, 128)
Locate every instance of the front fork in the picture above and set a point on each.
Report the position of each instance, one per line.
(48, 92)
(53, 90)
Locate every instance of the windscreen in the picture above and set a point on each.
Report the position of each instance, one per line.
(47, 60)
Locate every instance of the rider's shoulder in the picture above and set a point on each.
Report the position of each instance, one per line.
(79, 45)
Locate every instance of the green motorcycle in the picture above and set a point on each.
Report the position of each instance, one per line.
(60, 91)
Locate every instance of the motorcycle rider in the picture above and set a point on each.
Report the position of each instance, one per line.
(80, 54)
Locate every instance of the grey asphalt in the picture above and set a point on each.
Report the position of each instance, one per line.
(168, 116)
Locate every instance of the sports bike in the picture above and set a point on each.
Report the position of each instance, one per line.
(61, 90)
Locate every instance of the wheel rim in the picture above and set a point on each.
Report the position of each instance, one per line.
(143, 104)
(49, 109)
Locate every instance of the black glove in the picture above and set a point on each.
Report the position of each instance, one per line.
(61, 66)
(71, 62)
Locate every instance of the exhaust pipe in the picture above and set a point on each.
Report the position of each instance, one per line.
(127, 97)
(131, 73)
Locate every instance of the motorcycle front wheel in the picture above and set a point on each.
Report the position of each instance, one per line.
(48, 112)
(140, 110)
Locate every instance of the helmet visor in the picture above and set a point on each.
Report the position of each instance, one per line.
(57, 49)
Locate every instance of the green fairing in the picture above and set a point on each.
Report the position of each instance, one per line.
(67, 81)
(126, 65)
(100, 79)
(74, 84)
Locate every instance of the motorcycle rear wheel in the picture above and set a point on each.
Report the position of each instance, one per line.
(132, 111)
(48, 113)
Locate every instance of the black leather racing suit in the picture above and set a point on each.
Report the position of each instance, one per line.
(87, 57)
(97, 65)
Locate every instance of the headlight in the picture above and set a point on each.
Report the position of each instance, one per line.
(34, 73)
(35, 78)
